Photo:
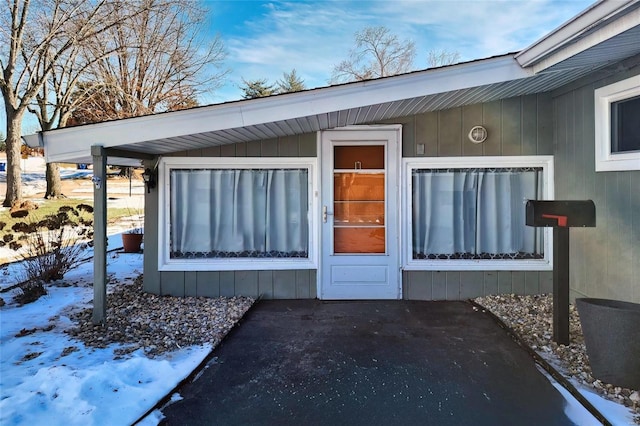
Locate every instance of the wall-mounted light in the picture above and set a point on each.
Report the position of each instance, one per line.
(478, 134)
(97, 181)
(149, 178)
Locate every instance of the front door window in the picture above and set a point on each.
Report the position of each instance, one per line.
(359, 199)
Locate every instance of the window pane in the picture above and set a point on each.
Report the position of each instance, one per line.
(359, 210)
(475, 213)
(358, 157)
(226, 213)
(625, 125)
(359, 240)
(358, 187)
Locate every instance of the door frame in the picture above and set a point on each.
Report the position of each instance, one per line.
(395, 186)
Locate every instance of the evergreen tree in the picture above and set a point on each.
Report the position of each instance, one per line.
(256, 88)
(290, 82)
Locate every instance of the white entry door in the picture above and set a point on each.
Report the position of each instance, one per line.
(360, 211)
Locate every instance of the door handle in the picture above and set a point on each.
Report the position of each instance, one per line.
(325, 213)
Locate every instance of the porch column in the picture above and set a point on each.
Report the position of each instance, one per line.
(99, 234)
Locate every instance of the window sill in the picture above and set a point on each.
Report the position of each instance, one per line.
(236, 265)
(479, 265)
(618, 162)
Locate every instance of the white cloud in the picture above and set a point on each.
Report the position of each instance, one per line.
(314, 36)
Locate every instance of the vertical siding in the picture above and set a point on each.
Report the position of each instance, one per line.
(151, 277)
(290, 284)
(604, 260)
(516, 126)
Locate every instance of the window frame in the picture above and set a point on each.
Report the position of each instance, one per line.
(410, 264)
(604, 97)
(166, 263)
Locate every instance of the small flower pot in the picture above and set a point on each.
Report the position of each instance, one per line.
(611, 330)
(132, 243)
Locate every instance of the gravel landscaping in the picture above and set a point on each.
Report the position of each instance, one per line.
(531, 318)
(159, 324)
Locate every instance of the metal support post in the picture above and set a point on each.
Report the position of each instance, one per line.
(561, 285)
(99, 235)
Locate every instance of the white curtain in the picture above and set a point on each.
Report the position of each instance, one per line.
(239, 213)
(474, 213)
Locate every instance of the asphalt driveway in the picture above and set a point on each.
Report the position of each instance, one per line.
(309, 362)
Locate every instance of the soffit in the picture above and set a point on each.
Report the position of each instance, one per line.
(366, 114)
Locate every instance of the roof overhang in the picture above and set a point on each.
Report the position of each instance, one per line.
(304, 111)
(606, 32)
(603, 21)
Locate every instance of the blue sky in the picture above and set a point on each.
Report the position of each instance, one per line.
(263, 39)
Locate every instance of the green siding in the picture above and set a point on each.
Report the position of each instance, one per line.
(605, 260)
(518, 126)
(151, 278)
(208, 283)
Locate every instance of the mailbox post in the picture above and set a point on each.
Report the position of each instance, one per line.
(561, 215)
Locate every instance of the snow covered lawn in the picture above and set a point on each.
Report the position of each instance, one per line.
(49, 378)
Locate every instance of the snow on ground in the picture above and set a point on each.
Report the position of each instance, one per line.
(49, 378)
(616, 414)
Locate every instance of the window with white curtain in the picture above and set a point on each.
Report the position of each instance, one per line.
(470, 212)
(237, 214)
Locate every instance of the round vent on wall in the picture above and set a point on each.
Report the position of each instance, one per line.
(478, 134)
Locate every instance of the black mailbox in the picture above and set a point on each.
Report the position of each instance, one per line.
(561, 213)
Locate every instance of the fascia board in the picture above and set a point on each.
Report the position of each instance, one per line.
(391, 89)
(609, 31)
(555, 41)
(69, 142)
(33, 141)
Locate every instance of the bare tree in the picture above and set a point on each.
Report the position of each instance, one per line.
(290, 82)
(377, 53)
(55, 101)
(159, 64)
(32, 30)
(439, 58)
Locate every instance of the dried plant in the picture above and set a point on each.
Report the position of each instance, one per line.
(49, 248)
(135, 216)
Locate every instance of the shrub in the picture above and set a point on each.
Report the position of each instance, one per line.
(30, 291)
(51, 253)
(49, 248)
